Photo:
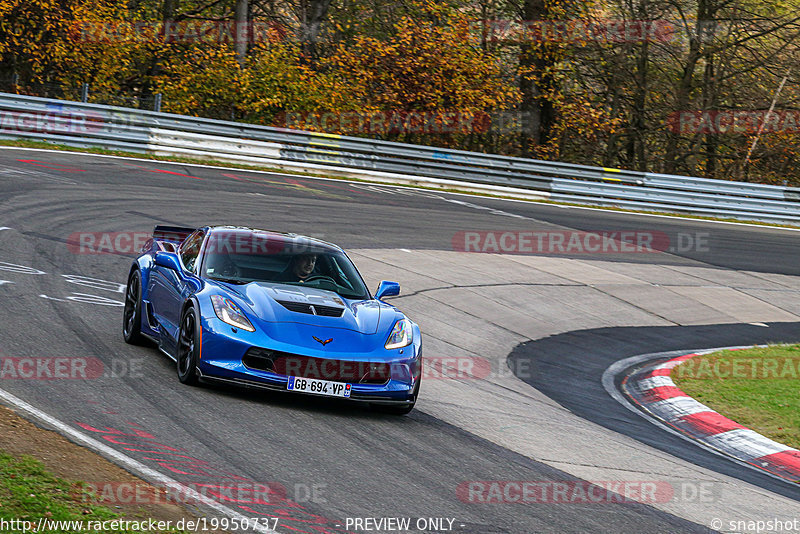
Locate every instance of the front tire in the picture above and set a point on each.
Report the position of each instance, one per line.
(188, 347)
(132, 312)
(399, 410)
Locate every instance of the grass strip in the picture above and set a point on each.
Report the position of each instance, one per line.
(28, 492)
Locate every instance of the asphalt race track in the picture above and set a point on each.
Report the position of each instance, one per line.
(568, 316)
(555, 359)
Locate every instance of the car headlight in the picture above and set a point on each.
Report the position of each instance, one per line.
(229, 312)
(401, 335)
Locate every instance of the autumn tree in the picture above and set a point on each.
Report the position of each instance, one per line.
(429, 63)
(609, 97)
(537, 79)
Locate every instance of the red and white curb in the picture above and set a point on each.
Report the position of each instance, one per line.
(651, 389)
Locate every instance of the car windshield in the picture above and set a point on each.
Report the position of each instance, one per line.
(240, 257)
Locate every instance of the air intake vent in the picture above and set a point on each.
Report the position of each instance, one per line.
(312, 309)
(261, 359)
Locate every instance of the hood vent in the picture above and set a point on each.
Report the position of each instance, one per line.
(312, 309)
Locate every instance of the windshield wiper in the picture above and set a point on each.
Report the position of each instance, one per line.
(344, 295)
(235, 281)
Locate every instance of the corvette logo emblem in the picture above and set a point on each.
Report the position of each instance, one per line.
(325, 342)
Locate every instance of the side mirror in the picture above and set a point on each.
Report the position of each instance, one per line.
(387, 289)
(168, 260)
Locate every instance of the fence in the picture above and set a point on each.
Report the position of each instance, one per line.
(133, 130)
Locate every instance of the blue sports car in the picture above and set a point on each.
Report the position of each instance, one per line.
(271, 310)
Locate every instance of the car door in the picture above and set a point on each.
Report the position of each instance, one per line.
(171, 288)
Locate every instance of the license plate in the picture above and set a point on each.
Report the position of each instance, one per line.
(318, 387)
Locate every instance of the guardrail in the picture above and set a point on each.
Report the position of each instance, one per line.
(115, 128)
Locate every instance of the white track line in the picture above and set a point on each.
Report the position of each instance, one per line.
(4, 228)
(139, 469)
(378, 184)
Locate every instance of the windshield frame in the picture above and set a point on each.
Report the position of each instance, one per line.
(305, 244)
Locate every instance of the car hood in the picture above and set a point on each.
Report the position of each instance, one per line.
(269, 302)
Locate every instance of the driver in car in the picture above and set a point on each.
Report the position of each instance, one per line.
(221, 264)
(299, 270)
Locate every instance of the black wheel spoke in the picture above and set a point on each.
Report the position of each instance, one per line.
(131, 302)
(186, 344)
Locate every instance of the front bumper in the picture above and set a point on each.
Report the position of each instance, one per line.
(223, 351)
(354, 396)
